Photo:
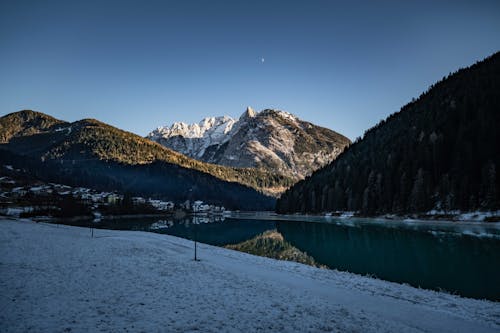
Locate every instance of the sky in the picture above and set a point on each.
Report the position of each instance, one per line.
(137, 65)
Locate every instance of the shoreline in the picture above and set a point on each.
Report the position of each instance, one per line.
(272, 216)
(474, 217)
(96, 281)
(268, 215)
(171, 215)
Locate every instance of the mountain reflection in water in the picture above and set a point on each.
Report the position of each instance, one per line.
(459, 258)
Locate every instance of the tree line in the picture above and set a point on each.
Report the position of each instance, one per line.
(440, 151)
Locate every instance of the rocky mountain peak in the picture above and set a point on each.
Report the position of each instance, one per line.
(274, 140)
(249, 113)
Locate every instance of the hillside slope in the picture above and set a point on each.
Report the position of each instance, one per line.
(25, 123)
(93, 154)
(440, 151)
(121, 279)
(90, 139)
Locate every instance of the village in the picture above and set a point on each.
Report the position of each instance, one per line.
(20, 197)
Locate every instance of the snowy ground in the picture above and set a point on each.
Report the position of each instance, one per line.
(59, 279)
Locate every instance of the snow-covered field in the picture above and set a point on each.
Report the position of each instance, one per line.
(59, 279)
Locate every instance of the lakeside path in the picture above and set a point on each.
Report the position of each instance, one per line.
(59, 279)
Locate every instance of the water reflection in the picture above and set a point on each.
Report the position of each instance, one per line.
(214, 230)
(186, 222)
(455, 257)
(426, 256)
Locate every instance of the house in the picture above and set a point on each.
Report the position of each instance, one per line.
(199, 207)
(138, 200)
(161, 205)
(19, 191)
(38, 190)
(113, 198)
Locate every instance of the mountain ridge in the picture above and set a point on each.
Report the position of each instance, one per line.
(91, 142)
(25, 122)
(97, 135)
(269, 139)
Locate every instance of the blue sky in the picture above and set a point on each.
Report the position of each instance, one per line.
(136, 65)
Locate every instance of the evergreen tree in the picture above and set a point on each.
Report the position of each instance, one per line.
(439, 151)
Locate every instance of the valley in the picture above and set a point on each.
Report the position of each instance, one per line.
(360, 191)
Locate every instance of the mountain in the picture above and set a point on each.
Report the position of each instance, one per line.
(271, 140)
(89, 150)
(440, 151)
(271, 244)
(25, 123)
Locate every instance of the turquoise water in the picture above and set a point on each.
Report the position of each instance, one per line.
(459, 258)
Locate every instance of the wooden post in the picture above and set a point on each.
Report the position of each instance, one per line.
(195, 258)
(195, 241)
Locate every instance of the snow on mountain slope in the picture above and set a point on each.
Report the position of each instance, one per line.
(210, 131)
(272, 139)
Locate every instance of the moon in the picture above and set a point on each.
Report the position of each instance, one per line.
(262, 60)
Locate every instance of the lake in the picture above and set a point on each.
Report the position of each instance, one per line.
(457, 257)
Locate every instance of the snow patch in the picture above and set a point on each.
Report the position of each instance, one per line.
(60, 278)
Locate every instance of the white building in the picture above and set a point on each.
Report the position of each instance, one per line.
(199, 207)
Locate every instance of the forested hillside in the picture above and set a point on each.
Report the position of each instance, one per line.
(40, 136)
(440, 151)
(92, 154)
(159, 180)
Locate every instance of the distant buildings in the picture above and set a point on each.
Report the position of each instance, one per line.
(162, 205)
(37, 193)
(199, 207)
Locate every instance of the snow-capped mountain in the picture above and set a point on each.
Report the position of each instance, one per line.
(271, 139)
(194, 139)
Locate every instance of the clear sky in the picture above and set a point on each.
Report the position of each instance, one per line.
(136, 65)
